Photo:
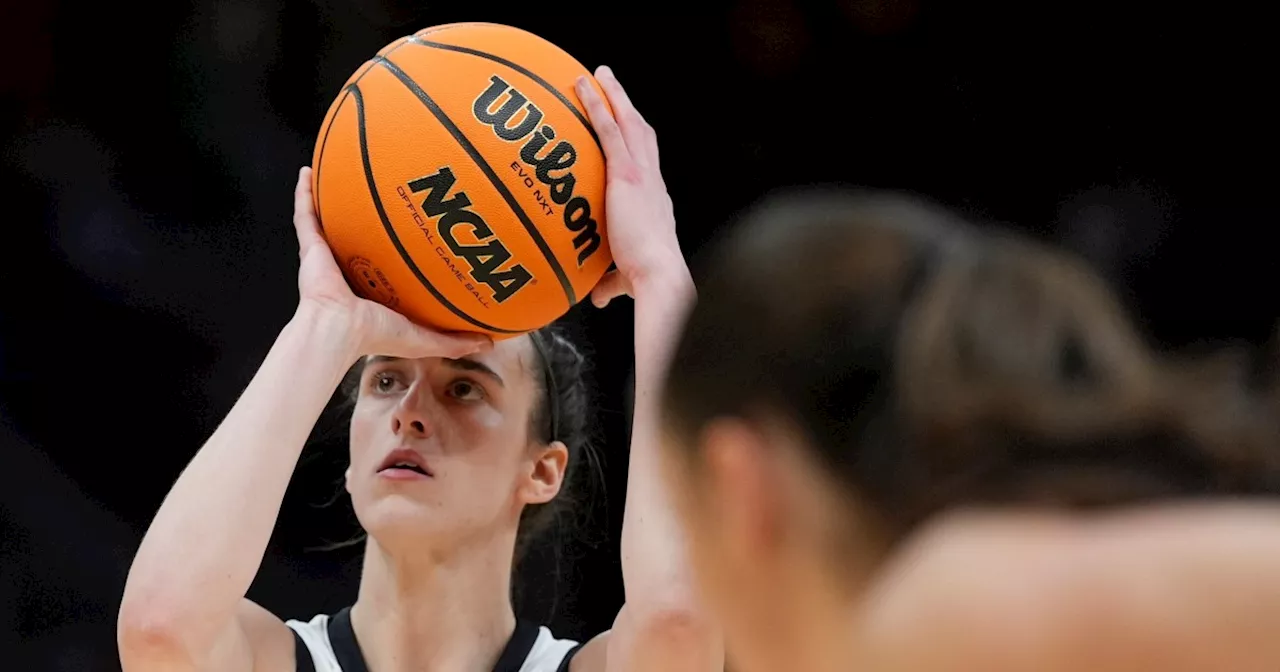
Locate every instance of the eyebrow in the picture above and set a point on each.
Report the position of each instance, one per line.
(463, 363)
(473, 365)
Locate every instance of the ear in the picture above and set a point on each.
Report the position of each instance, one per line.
(546, 475)
(742, 486)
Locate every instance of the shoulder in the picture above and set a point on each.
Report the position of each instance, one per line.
(1145, 589)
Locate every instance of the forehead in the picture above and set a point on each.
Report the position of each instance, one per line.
(514, 360)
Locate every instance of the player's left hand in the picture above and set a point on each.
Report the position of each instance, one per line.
(639, 220)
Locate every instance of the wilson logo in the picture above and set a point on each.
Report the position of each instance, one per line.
(497, 107)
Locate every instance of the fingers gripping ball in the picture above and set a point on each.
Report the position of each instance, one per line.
(458, 180)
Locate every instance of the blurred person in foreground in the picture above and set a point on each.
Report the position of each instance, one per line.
(901, 443)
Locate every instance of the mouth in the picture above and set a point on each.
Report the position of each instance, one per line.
(404, 462)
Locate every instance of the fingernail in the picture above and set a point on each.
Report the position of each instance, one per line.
(581, 84)
(605, 71)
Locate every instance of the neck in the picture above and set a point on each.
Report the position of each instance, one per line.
(425, 611)
(821, 630)
(807, 626)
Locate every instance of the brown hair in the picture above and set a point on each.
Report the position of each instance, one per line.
(931, 365)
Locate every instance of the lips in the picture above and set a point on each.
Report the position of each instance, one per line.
(406, 460)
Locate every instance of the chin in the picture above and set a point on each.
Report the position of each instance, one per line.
(394, 516)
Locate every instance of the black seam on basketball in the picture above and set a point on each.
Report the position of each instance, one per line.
(518, 68)
(386, 222)
(324, 142)
(449, 26)
(484, 166)
(320, 157)
(374, 61)
(367, 67)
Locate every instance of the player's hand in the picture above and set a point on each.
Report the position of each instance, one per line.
(379, 330)
(639, 218)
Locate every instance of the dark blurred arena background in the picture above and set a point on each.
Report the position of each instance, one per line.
(149, 155)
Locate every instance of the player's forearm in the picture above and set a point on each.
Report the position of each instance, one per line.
(205, 544)
(654, 566)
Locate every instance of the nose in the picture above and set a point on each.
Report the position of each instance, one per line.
(410, 417)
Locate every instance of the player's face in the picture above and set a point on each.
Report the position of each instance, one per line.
(442, 450)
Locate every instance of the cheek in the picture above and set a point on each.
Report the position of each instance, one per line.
(503, 459)
(485, 418)
(483, 443)
(366, 423)
(472, 429)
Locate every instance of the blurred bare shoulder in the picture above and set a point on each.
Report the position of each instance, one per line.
(1189, 587)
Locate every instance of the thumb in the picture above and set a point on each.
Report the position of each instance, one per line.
(610, 287)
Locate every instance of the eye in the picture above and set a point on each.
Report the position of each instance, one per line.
(383, 382)
(465, 390)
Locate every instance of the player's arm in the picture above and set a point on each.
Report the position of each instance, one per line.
(188, 580)
(184, 606)
(662, 627)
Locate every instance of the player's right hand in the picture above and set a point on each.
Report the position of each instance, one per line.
(379, 330)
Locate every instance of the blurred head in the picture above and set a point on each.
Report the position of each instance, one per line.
(491, 444)
(859, 365)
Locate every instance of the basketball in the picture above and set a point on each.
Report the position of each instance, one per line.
(458, 180)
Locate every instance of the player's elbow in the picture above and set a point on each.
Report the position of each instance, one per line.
(662, 588)
(672, 639)
(147, 645)
(676, 625)
(150, 636)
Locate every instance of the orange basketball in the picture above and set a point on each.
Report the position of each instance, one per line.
(459, 182)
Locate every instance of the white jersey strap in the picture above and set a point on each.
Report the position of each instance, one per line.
(302, 654)
(515, 657)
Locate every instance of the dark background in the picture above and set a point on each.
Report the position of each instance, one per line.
(149, 154)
